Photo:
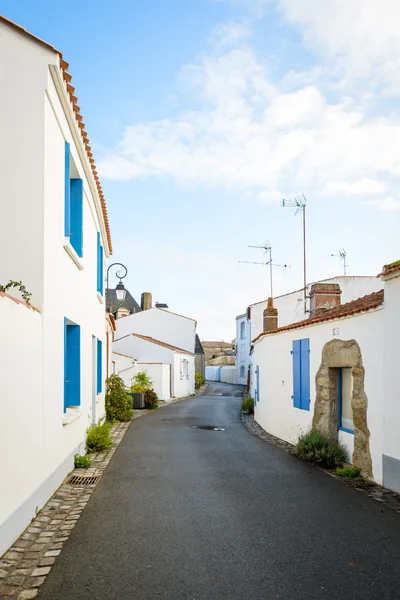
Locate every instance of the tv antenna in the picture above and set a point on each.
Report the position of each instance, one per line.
(267, 250)
(300, 203)
(342, 258)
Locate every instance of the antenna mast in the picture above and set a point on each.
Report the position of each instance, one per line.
(268, 249)
(300, 204)
(342, 258)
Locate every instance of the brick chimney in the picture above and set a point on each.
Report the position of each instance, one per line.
(324, 296)
(147, 301)
(270, 316)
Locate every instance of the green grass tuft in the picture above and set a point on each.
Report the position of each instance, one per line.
(82, 462)
(248, 406)
(99, 438)
(348, 472)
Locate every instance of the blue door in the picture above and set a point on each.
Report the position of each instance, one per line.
(257, 388)
(72, 365)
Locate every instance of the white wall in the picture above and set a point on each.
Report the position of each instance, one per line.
(275, 411)
(185, 386)
(34, 129)
(159, 373)
(21, 423)
(228, 374)
(161, 325)
(122, 361)
(391, 421)
(148, 352)
(213, 373)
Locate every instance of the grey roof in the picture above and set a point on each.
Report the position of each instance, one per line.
(112, 304)
(198, 348)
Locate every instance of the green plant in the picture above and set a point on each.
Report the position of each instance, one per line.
(99, 438)
(26, 296)
(313, 447)
(348, 472)
(150, 399)
(82, 462)
(248, 405)
(141, 382)
(118, 400)
(199, 380)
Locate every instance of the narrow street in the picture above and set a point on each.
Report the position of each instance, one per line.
(197, 514)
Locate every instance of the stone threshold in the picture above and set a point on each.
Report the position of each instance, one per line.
(370, 488)
(26, 564)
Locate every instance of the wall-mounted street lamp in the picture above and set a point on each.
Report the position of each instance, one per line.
(120, 290)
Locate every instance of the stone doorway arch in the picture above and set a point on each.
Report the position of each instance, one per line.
(337, 354)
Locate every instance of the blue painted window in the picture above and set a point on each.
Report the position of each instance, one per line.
(73, 225)
(99, 366)
(72, 365)
(301, 374)
(100, 265)
(345, 394)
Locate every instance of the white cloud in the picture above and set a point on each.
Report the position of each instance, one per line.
(230, 34)
(250, 135)
(388, 203)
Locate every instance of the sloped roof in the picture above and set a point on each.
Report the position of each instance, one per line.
(344, 310)
(216, 345)
(390, 268)
(112, 304)
(173, 313)
(76, 109)
(198, 348)
(160, 343)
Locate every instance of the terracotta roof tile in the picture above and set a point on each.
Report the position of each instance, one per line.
(159, 343)
(391, 268)
(70, 90)
(344, 310)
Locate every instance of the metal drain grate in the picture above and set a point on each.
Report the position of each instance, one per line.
(209, 427)
(83, 480)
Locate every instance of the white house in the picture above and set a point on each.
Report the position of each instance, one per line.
(171, 369)
(54, 237)
(337, 371)
(243, 343)
(291, 310)
(160, 324)
(157, 336)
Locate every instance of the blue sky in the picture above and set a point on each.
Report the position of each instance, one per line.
(202, 114)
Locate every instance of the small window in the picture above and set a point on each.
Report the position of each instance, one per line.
(345, 395)
(113, 366)
(73, 203)
(242, 330)
(184, 369)
(242, 371)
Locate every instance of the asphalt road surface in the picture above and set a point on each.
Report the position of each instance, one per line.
(194, 514)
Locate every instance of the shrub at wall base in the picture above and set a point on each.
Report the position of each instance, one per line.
(118, 400)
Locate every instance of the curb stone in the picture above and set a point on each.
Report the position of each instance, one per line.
(26, 564)
(370, 488)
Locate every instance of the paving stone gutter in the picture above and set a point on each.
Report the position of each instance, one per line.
(375, 491)
(25, 565)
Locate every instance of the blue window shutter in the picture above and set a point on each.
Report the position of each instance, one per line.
(257, 391)
(100, 259)
(305, 374)
(73, 366)
(99, 366)
(296, 356)
(65, 365)
(67, 198)
(76, 224)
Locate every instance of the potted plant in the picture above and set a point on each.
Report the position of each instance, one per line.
(141, 383)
